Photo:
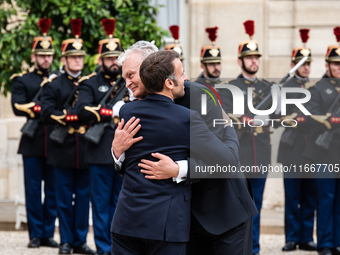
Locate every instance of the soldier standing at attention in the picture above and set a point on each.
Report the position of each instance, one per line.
(26, 89)
(176, 46)
(210, 60)
(105, 181)
(67, 147)
(300, 193)
(254, 144)
(324, 107)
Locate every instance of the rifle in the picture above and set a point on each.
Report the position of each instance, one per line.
(94, 133)
(264, 103)
(60, 132)
(30, 127)
(289, 136)
(324, 140)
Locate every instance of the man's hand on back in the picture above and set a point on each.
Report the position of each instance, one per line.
(124, 136)
(165, 168)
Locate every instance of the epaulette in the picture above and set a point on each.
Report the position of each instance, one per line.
(233, 80)
(267, 83)
(223, 81)
(50, 78)
(17, 75)
(87, 77)
(310, 84)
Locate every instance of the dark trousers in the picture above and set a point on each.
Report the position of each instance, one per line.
(236, 241)
(125, 245)
(258, 188)
(300, 206)
(105, 187)
(40, 215)
(73, 203)
(328, 212)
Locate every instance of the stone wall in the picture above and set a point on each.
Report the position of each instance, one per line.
(11, 180)
(277, 24)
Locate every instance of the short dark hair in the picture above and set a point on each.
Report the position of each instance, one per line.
(156, 68)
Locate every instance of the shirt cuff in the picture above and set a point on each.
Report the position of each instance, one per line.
(121, 159)
(183, 171)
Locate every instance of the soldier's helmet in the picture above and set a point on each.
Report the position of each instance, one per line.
(109, 47)
(176, 46)
(211, 53)
(333, 51)
(302, 51)
(74, 46)
(248, 47)
(42, 45)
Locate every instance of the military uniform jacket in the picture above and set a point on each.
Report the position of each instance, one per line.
(205, 81)
(24, 89)
(255, 148)
(323, 94)
(293, 154)
(72, 153)
(91, 91)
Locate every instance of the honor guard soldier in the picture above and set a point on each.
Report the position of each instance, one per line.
(254, 142)
(67, 147)
(176, 46)
(26, 90)
(98, 94)
(300, 193)
(210, 60)
(324, 148)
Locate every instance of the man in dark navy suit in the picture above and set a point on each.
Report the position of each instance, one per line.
(154, 216)
(224, 213)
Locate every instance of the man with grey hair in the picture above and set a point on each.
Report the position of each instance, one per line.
(221, 217)
(145, 48)
(132, 58)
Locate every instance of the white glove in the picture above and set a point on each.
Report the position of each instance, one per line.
(116, 108)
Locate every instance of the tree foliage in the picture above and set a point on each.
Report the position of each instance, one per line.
(135, 20)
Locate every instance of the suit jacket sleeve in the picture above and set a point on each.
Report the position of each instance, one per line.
(207, 147)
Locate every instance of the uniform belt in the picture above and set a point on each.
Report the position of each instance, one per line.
(80, 130)
(260, 130)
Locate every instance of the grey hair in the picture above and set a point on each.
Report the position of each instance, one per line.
(143, 47)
